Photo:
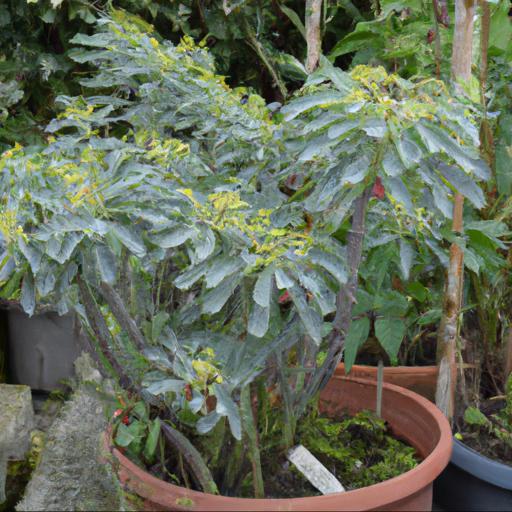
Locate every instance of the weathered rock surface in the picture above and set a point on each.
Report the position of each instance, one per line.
(16, 420)
(16, 423)
(71, 474)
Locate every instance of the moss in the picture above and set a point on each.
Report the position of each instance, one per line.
(359, 450)
(19, 472)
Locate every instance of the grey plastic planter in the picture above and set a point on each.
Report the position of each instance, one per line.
(473, 482)
(41, 348)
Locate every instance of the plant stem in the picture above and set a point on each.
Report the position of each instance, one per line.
(290, 419)
(313, 33)
(192, 457)
(100, 329)
(251, 434)
(254, 43)
(346, 296)
(122, 316)
(508, 355)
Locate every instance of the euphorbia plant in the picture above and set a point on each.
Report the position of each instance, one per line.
(214, 256)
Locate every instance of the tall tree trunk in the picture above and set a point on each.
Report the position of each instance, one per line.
(462, 52)
(447, 336)
(313, 33)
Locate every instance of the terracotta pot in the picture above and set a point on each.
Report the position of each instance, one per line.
(420, 379)
(411, 417)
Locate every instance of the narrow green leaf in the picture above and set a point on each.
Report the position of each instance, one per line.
(227, 407)
(263, 288)
(152, 440)
(28, 294)
(295, 19)
(310, 318)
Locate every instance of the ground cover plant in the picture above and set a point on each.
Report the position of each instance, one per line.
(212, 244)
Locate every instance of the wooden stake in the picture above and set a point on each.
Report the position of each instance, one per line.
(380, 382)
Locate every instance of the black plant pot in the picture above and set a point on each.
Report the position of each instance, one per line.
(41, 348)
(473, 482)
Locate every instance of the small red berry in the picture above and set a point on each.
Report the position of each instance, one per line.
(284, 298)
(378, 189)
(126, 420)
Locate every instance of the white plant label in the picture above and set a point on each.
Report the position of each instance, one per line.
(317, 474)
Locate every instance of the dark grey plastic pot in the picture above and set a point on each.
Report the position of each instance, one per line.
(473, 482)
(41, 348)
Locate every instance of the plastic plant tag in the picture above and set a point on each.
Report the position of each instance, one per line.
(316, 473)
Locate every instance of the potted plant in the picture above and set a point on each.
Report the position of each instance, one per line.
(481, 458)
(191, 227)
(392, 289)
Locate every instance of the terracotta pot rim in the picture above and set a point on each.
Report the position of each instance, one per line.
(416, 370)
(399, 487)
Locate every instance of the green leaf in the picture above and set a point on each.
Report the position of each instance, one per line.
(214, 300)
(263, 288)
(410, 153)
(206, 423)
(342, 128)
(152, 440)
(258, 320)
(124, 437)
(432, 316)
(32, 254)
(375, 127)
(190, 276)
(357, 335)
(417, 291)
(130, 239)
(106, 262)
(407, 253)
(310, 318)
(315, 284)
(473, 416)
(204, 243)
(357, 170)
(366, 35)
(396, 188)
(165, 386)
(227, 407)
(463, 183)
(467, 158)
(390, 332)
(28, 294)
(305, 103)
(158, 323)
(220, 268)
(173, 237)
(283, 280)
(391, 163)
(294, 18)
(61, 246)
(330, 262)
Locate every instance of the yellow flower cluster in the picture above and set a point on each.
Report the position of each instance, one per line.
(225, 210)
(206, 370)
(9, 226)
